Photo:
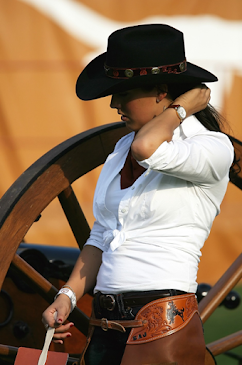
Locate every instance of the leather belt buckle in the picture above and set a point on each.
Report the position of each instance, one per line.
(112, 304)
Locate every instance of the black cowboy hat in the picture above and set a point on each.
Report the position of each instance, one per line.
(139, 56)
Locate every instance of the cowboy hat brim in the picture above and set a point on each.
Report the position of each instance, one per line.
(93, 83)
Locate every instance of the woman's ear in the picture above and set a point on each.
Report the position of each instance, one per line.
(162, 91)
(160, 96)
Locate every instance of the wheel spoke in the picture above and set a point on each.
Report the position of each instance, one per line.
(226, 343)
(220, 290)
(48, 291)
(75, 216)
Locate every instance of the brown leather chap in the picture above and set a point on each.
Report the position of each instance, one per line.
(163, 317)
(158, 320)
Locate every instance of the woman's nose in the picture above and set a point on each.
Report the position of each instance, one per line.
(115, 102)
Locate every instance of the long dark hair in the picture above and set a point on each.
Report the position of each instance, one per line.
(209, 116)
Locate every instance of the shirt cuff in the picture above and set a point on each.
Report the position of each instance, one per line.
(91, 242)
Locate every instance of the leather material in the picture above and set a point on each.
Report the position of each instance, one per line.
(163, 317)
(118, 325)
(89, 337)
(163, 363)
(134, 299)
(183, 347)
(209, 358)
(137, 299)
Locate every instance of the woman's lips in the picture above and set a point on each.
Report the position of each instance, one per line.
(124, 118)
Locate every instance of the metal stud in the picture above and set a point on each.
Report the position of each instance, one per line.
(155, 70)
(129, 73)
(115, 73)
(143, 72)
(182, 66)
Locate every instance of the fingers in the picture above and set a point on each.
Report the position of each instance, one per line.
(205, 91)
(202, 89)
(62, 332)
(64, 328)
(207, 95)
(195, 99)
(49, 317)
(60, 308)
(55, 315)
(202, 86)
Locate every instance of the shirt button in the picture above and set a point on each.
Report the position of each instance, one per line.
(133, 187)
(123, 210)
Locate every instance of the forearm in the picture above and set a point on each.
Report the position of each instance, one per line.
(83, 277)
(154, 133)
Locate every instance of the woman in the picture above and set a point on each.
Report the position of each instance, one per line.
(155, 201)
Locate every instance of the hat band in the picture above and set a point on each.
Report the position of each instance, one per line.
(127, 73)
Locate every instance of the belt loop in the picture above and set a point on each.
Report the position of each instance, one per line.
(120, 304)
(125, 313)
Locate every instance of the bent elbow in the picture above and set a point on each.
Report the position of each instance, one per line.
(141, 149)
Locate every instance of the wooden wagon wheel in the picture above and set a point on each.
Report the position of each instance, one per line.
(50, 177)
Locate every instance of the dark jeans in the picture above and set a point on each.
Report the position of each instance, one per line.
(107, 347)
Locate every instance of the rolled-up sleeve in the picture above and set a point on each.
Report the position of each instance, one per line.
(96, 236)
(202, 159)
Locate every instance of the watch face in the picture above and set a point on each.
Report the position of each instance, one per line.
(182, 112)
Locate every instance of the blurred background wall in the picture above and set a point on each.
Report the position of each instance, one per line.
(44, 44)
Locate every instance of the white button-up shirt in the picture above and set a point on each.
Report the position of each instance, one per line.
(165, 216)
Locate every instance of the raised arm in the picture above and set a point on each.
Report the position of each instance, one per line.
(161, 127)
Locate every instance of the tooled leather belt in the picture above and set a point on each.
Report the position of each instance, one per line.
(135, 299)
(156, 319)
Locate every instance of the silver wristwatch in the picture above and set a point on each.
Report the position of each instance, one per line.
(181, 112)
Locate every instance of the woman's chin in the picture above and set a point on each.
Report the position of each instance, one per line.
(131, 127)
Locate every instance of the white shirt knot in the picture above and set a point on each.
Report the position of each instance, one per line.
(113, 239)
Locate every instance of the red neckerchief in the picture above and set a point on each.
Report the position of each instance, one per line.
(131, 171)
